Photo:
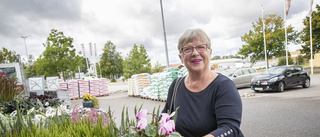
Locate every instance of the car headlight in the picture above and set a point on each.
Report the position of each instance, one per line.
(273, 79)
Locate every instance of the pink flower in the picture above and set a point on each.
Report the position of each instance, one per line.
(162, 130)
(171, 122)
(142, 114)
(142, 123)
(167, 126)
(166, 117)
(1, 71)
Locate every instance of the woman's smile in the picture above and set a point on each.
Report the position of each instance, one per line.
(196, 61)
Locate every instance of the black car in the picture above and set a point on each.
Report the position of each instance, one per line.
(281, 77)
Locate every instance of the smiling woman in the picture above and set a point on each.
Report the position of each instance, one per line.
(204, 98)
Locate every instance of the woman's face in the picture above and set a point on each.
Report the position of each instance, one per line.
(195, 61)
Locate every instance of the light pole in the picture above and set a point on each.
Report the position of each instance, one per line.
(164, 34)
(24, 38)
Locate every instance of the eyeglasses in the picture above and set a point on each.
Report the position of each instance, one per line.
(189, 49)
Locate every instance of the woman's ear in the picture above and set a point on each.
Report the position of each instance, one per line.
(181, 58)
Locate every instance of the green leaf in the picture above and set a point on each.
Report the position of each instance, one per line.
(151, 131)
(175, 134)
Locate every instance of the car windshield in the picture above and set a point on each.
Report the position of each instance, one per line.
(228, 73)
(274, 71)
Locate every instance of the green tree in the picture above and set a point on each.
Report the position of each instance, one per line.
(275, 38)
(110, 61)
(59, 56)
(136, 62)
(216, 57)
(29, 71)
(7, 56)
(157, 68)
(305, 37)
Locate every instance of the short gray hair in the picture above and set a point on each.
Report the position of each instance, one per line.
(191, 35)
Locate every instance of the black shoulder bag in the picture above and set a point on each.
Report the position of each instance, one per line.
(174, 93)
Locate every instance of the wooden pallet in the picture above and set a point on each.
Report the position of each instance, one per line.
(103, 95)
(155, 99)
(74, 98)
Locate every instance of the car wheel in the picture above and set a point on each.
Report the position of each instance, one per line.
(280, 87)
(306, 83)
(256, 90)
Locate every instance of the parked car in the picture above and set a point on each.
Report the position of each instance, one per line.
(241, 77)
(279, 78)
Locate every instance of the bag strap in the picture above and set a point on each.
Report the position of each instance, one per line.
(174, 93)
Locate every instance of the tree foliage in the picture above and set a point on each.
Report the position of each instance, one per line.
(59, 56)
(136, 62)
(110, 62)
(216, 57)
(157, 68)
(275, 38)
(7, 56)
(305, 34)
(29, 71)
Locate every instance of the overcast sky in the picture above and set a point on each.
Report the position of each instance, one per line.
(129, 22)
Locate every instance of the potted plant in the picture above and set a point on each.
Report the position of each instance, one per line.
(87, 101)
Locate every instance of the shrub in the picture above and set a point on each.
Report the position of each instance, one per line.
(283, 61)
(95, 102)
(113, 80)
(9, 88)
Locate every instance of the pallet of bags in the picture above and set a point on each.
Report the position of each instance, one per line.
(154, 85)
(73, 88)
(135, 85)
(94, 87)
(103, 86)
(145, 93)
(83, 87)
(165, 82)
(63, 85)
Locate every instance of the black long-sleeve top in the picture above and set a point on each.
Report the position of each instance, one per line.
(216, 110)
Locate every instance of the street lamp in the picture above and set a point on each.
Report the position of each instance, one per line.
(164, 34)
(24, 38)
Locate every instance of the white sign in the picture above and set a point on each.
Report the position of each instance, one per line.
(36, 83)
(53, 82)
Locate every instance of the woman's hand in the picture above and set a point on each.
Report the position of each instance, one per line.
(209, 135)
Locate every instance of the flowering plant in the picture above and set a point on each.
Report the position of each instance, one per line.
(140, 126)
(86, 97)
(165, 127)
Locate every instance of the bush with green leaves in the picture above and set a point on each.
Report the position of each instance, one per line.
(95, 102)
(9, 88)
(283, 61)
